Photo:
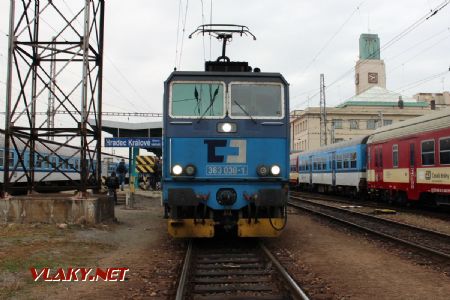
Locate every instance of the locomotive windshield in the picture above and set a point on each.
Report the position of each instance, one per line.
(197, 99)
(256, 100)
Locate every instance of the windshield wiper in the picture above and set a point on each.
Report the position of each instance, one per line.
(212, 100)
(245, 111)
(197, 100)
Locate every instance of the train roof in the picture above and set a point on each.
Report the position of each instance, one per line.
(226, 74)
(343, 144)
(429, 122)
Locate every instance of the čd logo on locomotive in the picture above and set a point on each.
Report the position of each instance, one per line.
(235, 151)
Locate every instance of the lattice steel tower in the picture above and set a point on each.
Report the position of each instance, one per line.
(42, 33)
(323, 112)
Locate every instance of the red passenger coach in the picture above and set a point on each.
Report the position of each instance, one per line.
(410, 160)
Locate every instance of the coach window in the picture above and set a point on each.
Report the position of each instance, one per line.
(427, 153)
(38, 162)
(346, 160)
(256, 100)
(339, 161)
(197, 99)
(54, 162)
(353, 160)
(11, 158)
(395, 156)
(45, 163)
(444, 151)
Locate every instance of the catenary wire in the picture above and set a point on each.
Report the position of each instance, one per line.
(183, 33)
(203, 36)
(178, 34)
(391, 42)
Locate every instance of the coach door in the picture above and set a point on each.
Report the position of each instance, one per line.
(310, 171)
(379, 164)
(412, 165)
(333, 169)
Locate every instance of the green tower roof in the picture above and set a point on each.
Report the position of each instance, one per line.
(369, 46)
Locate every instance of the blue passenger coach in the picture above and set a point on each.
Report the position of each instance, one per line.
(338, 167)
(225, 153)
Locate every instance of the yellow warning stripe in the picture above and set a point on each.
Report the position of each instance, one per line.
(144, 169)
(145, 160)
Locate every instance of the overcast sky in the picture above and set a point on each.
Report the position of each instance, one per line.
(297, 38)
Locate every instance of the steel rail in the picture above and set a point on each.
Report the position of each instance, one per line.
(372, 231)
(378, 219)
(296, 290)
(184, 273)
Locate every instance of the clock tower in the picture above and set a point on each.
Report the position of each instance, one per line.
(369, 70)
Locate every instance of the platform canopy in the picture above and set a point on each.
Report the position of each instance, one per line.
(126, 129)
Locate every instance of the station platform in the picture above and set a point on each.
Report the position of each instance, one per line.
(65, 207)
(56, 208)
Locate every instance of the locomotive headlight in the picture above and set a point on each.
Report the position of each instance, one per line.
(177, 170)
(262, 170)
(190, 170)
(226, 127)
(275, 170)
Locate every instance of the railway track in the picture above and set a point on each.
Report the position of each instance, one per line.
(441, 213)
(239, 269)
(428, 241)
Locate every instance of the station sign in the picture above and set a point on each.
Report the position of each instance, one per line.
(128, 142)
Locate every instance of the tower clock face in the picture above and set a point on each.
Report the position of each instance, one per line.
(373, 77)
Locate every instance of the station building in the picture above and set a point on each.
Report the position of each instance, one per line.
(372, 106)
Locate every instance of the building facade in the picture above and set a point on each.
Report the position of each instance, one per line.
(349, 120)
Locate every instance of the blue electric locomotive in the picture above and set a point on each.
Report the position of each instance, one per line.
(225, 151)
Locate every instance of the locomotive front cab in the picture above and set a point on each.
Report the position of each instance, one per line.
(226, 143)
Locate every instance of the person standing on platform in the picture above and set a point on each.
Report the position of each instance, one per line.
(122, 171)
(112, 183)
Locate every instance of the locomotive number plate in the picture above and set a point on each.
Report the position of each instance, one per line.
(218, 170)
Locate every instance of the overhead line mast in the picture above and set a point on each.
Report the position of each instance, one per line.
(31, 52)
(323, 112)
